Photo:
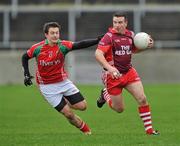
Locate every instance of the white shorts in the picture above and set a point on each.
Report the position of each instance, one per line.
(54, 93)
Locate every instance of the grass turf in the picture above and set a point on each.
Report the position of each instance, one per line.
(27, 120)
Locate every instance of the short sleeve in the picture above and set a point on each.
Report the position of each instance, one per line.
(67, 44)
(35, 49)
(105, 43)
(30, 51)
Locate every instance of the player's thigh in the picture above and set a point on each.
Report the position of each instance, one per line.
(53, 99)
(136, 89)
(115, 93)
(52, 93)
(56, 101)
(67, 112)
(82, 105)
(117, 101)
(61, 105)
(76, 101)
(74, 97)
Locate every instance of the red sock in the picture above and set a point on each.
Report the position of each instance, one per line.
(85, 128)
(107, 97)
(145, 114)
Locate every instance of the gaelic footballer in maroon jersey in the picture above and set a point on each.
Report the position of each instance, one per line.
(51, 76)
(114, 54)
(120, 52)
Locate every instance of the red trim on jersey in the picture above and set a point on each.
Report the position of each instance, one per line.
(31, 50)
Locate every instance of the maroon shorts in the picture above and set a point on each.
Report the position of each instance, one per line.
(115, 86)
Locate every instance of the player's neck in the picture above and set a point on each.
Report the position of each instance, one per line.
(119, 31)
(51, 43)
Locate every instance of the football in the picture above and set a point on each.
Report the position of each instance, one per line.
(141, 40)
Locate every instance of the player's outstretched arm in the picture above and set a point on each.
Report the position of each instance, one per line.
(86, 43)
(25, 65)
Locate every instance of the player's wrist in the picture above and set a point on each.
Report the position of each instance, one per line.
(26, 74)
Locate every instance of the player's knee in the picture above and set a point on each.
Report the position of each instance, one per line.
(142, 100)
(119, 109)
(81, 106)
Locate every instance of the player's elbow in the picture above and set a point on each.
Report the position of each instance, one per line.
(25, 57)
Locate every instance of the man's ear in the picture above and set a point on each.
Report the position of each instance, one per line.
(126, 23)
(45, 34)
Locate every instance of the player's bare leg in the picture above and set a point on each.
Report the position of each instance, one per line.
(114, 102)
(75, 120)
(137, 90)
(79, 106)
(117, 103)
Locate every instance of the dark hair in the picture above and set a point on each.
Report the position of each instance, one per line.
(50, 24)
(120, 14)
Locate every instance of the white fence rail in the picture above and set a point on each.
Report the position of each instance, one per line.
(152, 66)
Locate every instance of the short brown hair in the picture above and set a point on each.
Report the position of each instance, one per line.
(50, 24)
(120, 14)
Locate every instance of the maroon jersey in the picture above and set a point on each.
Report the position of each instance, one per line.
(118, 49)
(50, 61)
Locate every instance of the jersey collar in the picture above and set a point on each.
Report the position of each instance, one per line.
(112, 30)
(46, 41)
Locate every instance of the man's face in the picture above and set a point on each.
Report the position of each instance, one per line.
(119, 24)
(52, 35)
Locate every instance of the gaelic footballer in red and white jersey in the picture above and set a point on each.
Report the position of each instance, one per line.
(118, 49)
(50, 60)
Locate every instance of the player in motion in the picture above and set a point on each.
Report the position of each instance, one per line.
(114, 55)
(51, 76)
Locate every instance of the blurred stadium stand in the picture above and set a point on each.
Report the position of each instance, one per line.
(21, 24)
(21, 19)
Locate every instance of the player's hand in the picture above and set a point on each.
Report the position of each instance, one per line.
(151, 42)
(115, 74)
(27, 80)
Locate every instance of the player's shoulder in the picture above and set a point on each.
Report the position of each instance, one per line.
(39, 44)
(67, 43)
(35, 49)
(109, 34)
(129, 33)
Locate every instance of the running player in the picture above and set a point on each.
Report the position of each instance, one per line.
(51, 77)
(114, 55)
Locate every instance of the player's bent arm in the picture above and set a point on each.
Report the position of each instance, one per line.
(27, 76)
(150, 46)
(101, 59)
(25, 65)
(84, 43)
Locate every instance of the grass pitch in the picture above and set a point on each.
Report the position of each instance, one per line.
(26, 119)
